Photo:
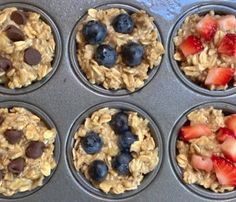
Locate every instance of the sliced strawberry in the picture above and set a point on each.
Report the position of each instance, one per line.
(219, 76)
(228, 45)
(207, 27)
(227, 22)
(191, 45)
(229, 148)
(201, 162)
(225, 171)
(224, 133)
(191, 132)
(230, 122)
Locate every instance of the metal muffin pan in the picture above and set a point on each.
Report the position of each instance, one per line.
(65, 97)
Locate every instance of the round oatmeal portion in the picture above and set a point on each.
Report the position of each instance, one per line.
(27, 48)
(143, 150)
(206, 149)
(120, 75)
(26, 151)
(205, 49)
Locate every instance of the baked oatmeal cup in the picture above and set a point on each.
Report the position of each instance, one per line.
(206, 149)
(27, 48)
(205, 49)
(114, 150)
(26, 151)
(117, 49)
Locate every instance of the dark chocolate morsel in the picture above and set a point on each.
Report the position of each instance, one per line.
(16, 166)
(35, 149)
(19, 17)
(13, 136)
(5, 64)
(32, 56)
(14, 34)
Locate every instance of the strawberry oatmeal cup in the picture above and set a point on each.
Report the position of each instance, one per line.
(206, 149)
(205, 49)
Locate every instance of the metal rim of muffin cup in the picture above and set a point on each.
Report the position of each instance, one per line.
(199, 190)
(58, 49)
(49, 123)
(201, 9)
(72, 51)
(80, 178)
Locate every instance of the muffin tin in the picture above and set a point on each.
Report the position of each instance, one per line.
(67, 100)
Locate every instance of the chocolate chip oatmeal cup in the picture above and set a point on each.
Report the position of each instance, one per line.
(29, 48)
(114, 150)
(202, 150)
(117, 48)
(203, 52)
(28, 156)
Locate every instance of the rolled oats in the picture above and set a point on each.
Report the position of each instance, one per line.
(38, 35)
(145, 158)
(120, 76)
(35, 170)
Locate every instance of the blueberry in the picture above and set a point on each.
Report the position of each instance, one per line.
(98, 170)
(126, 140)
(132, 54)
(105, 55)
(92, 143)
(120, 163)
(94, 32)
(123, 23)
(119, 122)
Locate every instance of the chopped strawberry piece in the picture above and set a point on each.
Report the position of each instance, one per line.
(228, 45)
(207, 27)
(191, 45)
(219, 76)
(230, 122)
(227, 22)
(225, 171)
(224, 133)
(201, 162)
(229, 148)
(191, 132)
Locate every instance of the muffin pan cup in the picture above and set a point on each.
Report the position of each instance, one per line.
(67, 98)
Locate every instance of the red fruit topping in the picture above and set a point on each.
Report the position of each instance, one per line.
(207, 27)
(228, 45)
(191, 132)
(201, 162)
(227, 22)
(224, 133)
(230, 122)
(219, 76)
(225, 171)
(229, 148)
(191, 45)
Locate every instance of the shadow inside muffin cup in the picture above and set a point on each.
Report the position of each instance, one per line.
(80, 178)
(76, 66)
(199, 190)
(201, 9)
(50, 124)
(58, 49)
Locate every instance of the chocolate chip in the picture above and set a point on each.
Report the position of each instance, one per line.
(32, 56)
(1, 119)
(34, 149)
(16, 166)
(1, 175)
(5, 64)
(19, 17)
(13, 136)
(15, 34)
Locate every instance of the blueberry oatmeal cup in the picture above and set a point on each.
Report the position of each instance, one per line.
(206, 149)
(27, 48)
(116, 49)
(114, 150)
(26, 151)
(205, 49)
